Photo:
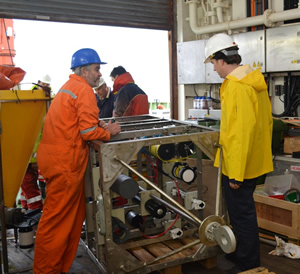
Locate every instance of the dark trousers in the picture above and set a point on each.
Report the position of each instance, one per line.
(242, 214)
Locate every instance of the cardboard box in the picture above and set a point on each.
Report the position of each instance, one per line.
(278, 216)
(291, 144)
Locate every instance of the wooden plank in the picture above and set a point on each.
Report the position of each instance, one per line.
(142, 254)
(160, 249)
(206, 263)
(172, 270)
(189, 240)
(209, 263)
(174, 244)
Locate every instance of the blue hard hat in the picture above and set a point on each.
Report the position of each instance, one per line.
(85, 57)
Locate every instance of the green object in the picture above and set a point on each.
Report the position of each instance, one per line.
(292, 195)
(279, 128)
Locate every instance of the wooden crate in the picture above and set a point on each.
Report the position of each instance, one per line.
(278, 216)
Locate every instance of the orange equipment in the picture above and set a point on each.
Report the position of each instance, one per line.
(7, 37)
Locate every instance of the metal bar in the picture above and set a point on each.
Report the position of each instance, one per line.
(149, 132)
(2, 213)
(24, 100)
(93, 258)
(149, 124)
(173, 252)
(219, 184)
(175, 209)
(159, 190)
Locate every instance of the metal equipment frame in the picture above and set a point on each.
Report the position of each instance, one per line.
(110, 159)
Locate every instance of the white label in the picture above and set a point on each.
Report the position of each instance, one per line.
(295, 168)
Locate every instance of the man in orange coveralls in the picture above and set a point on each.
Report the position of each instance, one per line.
(72, 120)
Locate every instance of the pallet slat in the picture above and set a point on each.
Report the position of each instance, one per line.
(142, 254)
(160, 249)
(174, 244)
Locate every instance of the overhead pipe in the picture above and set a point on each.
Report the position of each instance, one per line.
(219, 8)
(269, 18)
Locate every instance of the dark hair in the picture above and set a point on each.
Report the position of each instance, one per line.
(117, 71)
(231, 59)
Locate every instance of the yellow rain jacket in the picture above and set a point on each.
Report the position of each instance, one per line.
(246, 125)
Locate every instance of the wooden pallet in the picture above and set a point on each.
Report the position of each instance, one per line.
(150, 252)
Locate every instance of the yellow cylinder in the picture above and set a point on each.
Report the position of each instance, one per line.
(163, 152)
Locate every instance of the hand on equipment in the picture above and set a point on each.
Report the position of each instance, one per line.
(114, 128)
(103, 124)
(47, 90)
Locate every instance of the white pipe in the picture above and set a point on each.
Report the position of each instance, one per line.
(181, 107)
(205, 10)
(220, 11)
(211, 13)
(203, 7)
(268, 18)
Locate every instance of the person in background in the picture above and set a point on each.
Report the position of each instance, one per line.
(105, 99)
(130, 100)
(44, 84)
(246, 140)
(31, 197)
(62, 156)
(31, 193)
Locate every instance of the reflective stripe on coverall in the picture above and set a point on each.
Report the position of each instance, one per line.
(31, 197)
(62, 157)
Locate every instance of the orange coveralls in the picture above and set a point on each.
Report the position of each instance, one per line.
(62, 157)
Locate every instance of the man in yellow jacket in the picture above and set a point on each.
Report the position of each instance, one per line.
(246, 139)
(72, 121)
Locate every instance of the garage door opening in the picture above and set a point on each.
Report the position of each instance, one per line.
(47, 47)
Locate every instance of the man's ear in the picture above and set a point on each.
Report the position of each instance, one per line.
(221, 62)
(83, 71)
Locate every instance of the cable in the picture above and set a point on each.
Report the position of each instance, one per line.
(154, 169)
(195, 90)
(177, 216)
(292, 101)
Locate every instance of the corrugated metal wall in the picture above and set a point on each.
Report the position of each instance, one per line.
(151, 14)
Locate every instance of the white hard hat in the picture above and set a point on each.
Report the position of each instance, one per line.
(46, 79)
(216, 43)
(101, 82)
